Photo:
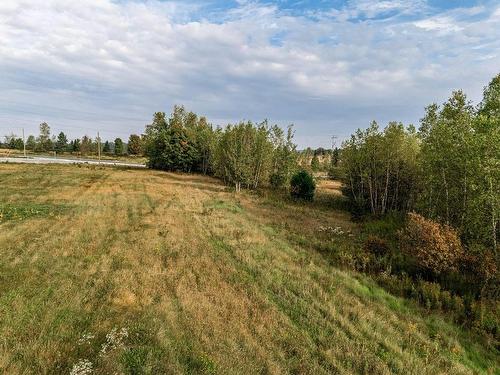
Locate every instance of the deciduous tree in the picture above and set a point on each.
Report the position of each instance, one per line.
(44, 143)
(135, 144)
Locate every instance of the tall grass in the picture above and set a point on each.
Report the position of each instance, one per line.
(149, 272)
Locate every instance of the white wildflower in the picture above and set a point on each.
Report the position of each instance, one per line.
(337, 231)
(114, 340)
(82, 367)
(86, 338)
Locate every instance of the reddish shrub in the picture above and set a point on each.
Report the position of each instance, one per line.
(435, 247)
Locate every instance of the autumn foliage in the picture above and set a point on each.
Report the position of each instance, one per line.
(434, 246)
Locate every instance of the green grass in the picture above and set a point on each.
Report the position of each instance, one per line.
(143, 272)
(24, 211)
(221, 204)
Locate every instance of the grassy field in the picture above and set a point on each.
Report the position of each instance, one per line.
(136, 271)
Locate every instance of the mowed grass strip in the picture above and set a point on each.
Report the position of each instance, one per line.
(150, 272)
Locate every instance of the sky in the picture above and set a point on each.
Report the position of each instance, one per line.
(328, 67)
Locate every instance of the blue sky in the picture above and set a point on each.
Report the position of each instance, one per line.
(328, 67)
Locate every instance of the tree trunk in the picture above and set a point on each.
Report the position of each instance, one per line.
(386, 190)
(394, 203)
(447, 195)
(371, 195)
(464, 202)
(493, 218)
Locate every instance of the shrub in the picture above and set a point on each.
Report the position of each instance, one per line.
(401, 285)
(277, 180)
(386, 226)
(479, 268)
(446, 300)
(376, 246)
(458, 308)
(435, 247)
(430, 294)
(302, 186)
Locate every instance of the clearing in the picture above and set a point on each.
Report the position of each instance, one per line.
(138, 271)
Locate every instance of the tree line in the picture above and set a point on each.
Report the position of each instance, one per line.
(430, 201)
(243, 155)
(45, 142)
(320, 159)
(447, 170)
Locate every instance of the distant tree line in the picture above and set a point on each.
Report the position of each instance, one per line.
(319, 159)
(85, 146)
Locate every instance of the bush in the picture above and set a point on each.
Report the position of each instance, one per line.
(376, 246)
(435, 247)
(302, 186)
(430, 295)
(277, 180)
(458, 305)
(479, 268)
(446, 300)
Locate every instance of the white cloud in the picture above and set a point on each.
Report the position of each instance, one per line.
(372, 9)
(111, 64)
(445, 24)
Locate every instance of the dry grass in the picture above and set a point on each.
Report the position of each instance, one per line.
(199, 279)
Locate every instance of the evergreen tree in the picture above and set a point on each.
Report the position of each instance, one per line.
(76, 145)
(14, 143)
(106, 148)
(118, 146)
(61, 144)
(30, 143)
(302, 186)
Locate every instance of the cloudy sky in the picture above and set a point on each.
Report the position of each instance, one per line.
(328, 67)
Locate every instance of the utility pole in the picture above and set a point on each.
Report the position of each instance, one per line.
(24, 144)
(99, 145)
(334, 142)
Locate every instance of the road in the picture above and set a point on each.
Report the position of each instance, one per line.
(49, 160)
